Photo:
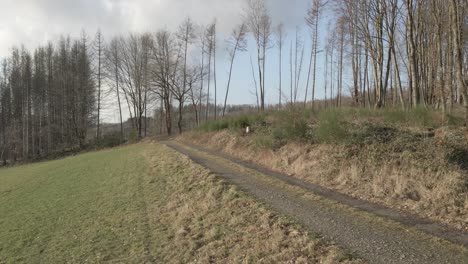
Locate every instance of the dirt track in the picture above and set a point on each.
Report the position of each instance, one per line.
(375, 233)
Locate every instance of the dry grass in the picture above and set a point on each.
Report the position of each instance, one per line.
(206, 221)
(404, 173)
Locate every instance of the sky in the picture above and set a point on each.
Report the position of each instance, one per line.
(35, 22)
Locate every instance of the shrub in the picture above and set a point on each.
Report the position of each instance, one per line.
(133, 136)
(241, 122)
(110, 140)
(212, 126)
(330, 127)
(291, 125)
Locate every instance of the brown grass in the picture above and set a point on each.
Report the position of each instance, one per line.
(419, 180)
(203, 220)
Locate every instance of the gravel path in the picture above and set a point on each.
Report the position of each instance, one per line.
(378, 235)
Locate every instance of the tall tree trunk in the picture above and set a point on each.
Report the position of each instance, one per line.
(120, 106)
(229, 80)
(455, 14)
(210, 51)
(214, 77)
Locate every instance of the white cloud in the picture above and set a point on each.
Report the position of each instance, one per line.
(34, 22)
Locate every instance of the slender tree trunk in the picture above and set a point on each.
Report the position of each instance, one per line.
(315, 59)
(229, 79)
(456, 18)
(280, 71)
(308, 76)
(255, 82)
(412, 54)
(120, 106)
(201, 81)
(98, 131)
(291, 70)
(210, 51)
(179, 121)
(214, 76)
(340, 87)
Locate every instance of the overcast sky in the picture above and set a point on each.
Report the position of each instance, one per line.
(34, 22)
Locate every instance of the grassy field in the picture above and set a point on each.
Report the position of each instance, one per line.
(137, 204)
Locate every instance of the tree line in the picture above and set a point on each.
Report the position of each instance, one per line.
(414, 51)
(398, 53)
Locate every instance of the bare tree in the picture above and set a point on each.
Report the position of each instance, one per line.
(99, 57)
(298, 62)
(280, 37)
(166, 59)
(199, 95)
(237, 42)
(411, 37)
(456, 14)
(186, 36)
(312, 20)
(210, 42)
(214, 70)
(132, 64)
(259, 23)
(113, 69)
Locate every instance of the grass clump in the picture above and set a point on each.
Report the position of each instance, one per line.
(263, 139)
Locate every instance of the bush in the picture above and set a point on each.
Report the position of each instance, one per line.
(110, 140)
(212, 126)
(241, 122)
(291, 125)
(133, 136)
(330, 127)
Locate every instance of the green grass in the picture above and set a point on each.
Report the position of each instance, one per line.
(84, 208)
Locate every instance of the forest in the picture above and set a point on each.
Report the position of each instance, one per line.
(398, 53)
